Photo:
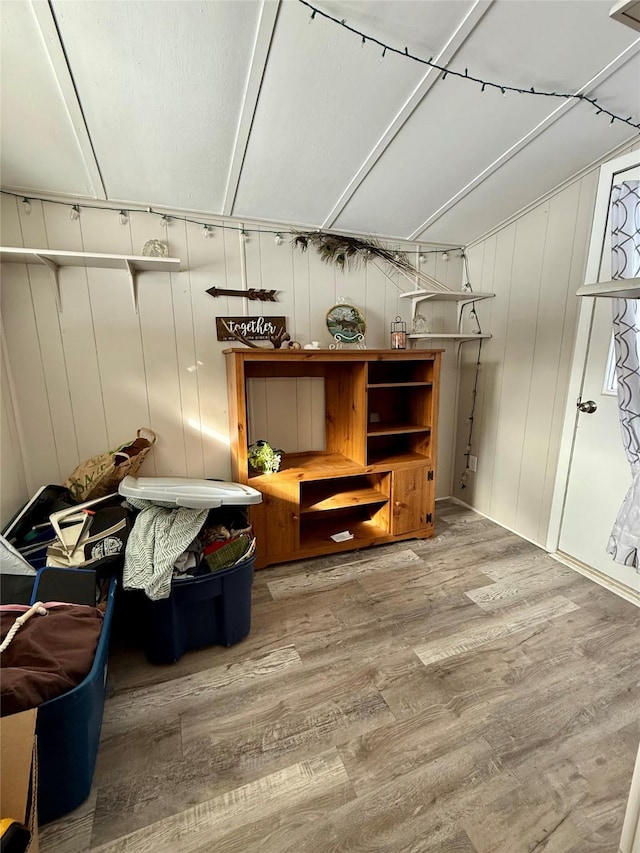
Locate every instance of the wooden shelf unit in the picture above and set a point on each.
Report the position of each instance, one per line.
(375, 478)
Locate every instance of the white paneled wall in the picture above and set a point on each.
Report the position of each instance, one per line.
(534, 265)
(85, 379)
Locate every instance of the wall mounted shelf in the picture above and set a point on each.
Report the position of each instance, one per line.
(463, 297)
(461, 338)
(55, 259)
(622, 288)
(460, 297)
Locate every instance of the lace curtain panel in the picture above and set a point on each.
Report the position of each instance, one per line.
(624, 542)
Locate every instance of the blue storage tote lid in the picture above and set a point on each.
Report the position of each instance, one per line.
(189, 492)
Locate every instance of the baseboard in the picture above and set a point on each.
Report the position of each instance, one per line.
(495, 521)
(598, 577)
(593, 574)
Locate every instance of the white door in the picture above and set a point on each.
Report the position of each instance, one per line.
(599, 473)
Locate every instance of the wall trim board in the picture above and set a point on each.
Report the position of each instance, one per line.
(598, 577)
(116, 205)
(565, 559)
(495, 521)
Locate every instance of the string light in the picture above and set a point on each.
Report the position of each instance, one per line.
(421, 257)
(208, 230)
(278, 240)
(165, 220)
(474, 393)
(445, 256)
(244, 235)
(503, 88)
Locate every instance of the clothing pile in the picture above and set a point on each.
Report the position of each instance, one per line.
(226, 538)
(168, 544)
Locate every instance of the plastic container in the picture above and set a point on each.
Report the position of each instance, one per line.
(209, 610)
(189, 492)
(212, 609)
(68, 732)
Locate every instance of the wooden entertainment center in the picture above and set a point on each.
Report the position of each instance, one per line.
(374, 479)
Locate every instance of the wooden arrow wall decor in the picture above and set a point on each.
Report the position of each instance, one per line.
(254, 294)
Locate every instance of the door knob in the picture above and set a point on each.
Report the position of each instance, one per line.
(588, 407)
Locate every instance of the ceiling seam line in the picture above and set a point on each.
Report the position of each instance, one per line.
(615, 64)
(419, 93)
(264, 39)
(78, 102)
(563, 185)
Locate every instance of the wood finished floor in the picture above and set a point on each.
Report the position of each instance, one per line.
(465, 694)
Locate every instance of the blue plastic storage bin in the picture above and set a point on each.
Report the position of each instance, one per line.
(209, 610)
(68, 732)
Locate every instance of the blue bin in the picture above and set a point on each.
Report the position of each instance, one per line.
(68, 732)
(209, 610)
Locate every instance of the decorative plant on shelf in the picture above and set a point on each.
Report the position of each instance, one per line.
(350, 252)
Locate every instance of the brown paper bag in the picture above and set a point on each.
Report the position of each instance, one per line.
(101, 474)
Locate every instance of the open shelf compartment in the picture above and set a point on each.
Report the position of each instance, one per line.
(366, 523)
(399, 373)
(344, 493)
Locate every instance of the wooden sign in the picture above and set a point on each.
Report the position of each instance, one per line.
(250, 328)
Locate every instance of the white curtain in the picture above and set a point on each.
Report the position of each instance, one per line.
(624, 542)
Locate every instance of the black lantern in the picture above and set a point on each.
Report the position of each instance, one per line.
(398, 334)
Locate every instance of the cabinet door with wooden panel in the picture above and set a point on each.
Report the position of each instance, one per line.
(276, 520)
(412, 500)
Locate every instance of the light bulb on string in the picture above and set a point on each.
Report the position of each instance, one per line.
(244, 236)
(207, 231)
(278, 240)
(445, 256)
(124, 217)
(164, 220)
(421, 258)
(74, 213)
(26, 204)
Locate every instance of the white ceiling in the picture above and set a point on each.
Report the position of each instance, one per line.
(253, 110)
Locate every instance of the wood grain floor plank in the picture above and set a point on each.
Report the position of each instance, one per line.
(419, 810)
(73, 833)
(500, 626)
(530, 812)
(495, 596)
(246, 735)
(514, 731)
(147, 704)
(202, 826)
(347, 571)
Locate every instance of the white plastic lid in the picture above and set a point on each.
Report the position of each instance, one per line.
(189, 492)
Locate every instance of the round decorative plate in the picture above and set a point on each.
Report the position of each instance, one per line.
(346, 324)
